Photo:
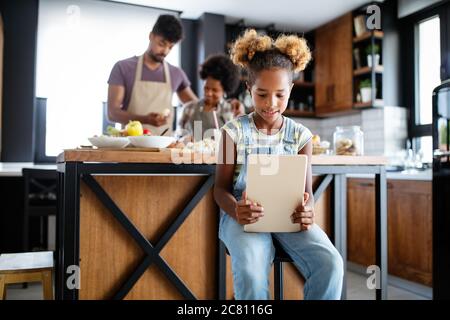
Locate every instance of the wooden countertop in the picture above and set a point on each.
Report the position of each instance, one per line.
(165, 156)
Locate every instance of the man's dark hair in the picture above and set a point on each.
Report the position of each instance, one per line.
(169, 27)
(221, 68)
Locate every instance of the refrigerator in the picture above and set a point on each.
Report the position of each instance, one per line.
(441, 191)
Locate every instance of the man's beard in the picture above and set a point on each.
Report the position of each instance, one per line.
(157, 58)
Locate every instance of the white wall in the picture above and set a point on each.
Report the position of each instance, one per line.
(385, 129)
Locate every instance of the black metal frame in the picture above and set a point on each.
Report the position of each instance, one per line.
(71, 173)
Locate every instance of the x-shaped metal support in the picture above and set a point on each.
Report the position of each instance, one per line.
(152, 251)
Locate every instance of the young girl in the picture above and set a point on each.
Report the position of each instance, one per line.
(270, 65)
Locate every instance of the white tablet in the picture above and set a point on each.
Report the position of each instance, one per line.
(277, 182)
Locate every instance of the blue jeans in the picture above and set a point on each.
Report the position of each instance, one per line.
(252, 256)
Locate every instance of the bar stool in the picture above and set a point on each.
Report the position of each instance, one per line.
(280, 257)
(27, 267)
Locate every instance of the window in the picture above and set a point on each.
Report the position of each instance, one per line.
(78, 43)
(424, 147)
(428, 61)
(424, 48)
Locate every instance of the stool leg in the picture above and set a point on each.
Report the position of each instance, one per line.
(47, 285)
(2, 288)
(222, 271)
(278, 280)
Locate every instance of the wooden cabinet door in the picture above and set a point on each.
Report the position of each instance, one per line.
(342, 64)
(410, 230)
(333, 54)
(361, 221)
(409, 227)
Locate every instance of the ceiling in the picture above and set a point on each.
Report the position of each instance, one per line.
(287, 15)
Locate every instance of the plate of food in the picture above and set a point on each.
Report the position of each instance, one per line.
(105, 141)
(118, 138)
(150, 141)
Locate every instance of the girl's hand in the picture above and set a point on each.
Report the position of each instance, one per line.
(247, 211)
(304, 215)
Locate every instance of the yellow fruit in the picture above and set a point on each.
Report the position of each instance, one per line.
(134, 128)
(315, 139)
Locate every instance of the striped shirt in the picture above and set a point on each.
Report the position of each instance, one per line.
(290, 139)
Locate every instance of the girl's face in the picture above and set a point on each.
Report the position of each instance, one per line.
(213, 91)
(270, 94)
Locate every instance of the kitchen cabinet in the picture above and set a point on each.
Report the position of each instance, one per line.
(409, 227)
(333, 66)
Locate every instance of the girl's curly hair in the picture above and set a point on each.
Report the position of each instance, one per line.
(256, 52)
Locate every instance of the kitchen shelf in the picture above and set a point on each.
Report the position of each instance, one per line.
(367, 70)
(299, 113)
(367, 35)
(376, 103)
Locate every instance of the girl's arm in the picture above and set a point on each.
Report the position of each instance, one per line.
(304, 213)
(307, 150)
(226, 163)
(244, 211)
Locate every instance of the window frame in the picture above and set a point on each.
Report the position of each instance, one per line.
(410, 67)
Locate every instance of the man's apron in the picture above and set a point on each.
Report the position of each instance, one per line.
(151, 96)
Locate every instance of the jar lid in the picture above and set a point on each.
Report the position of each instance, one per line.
(342, 128)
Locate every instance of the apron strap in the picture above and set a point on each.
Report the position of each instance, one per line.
(140, 64)
(167, 75)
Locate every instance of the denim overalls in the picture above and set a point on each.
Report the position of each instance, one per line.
(252, 254)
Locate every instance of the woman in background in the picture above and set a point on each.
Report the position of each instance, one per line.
(221, 78)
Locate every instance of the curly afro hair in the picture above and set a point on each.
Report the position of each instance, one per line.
(256, 52)
(169, 27)
(221, 68)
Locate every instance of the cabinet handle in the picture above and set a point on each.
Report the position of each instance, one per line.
(366, 184)
(332, 92)
(371, 184)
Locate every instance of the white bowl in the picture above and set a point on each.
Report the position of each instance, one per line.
(109, 142)
(151, 141)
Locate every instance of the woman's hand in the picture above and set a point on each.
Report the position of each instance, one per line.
(303, 214)
(248, 212)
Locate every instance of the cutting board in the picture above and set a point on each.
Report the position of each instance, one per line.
(126, 149)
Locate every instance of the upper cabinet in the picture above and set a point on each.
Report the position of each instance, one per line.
(333, 67)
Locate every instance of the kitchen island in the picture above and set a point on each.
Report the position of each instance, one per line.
(143, 225)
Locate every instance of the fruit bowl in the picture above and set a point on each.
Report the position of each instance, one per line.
(151, 141)
(109, 142)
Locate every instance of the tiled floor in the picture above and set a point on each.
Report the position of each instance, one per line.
(356, 290)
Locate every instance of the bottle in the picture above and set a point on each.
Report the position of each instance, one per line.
(348, 141)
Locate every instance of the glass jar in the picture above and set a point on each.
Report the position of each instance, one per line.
(348, 141)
